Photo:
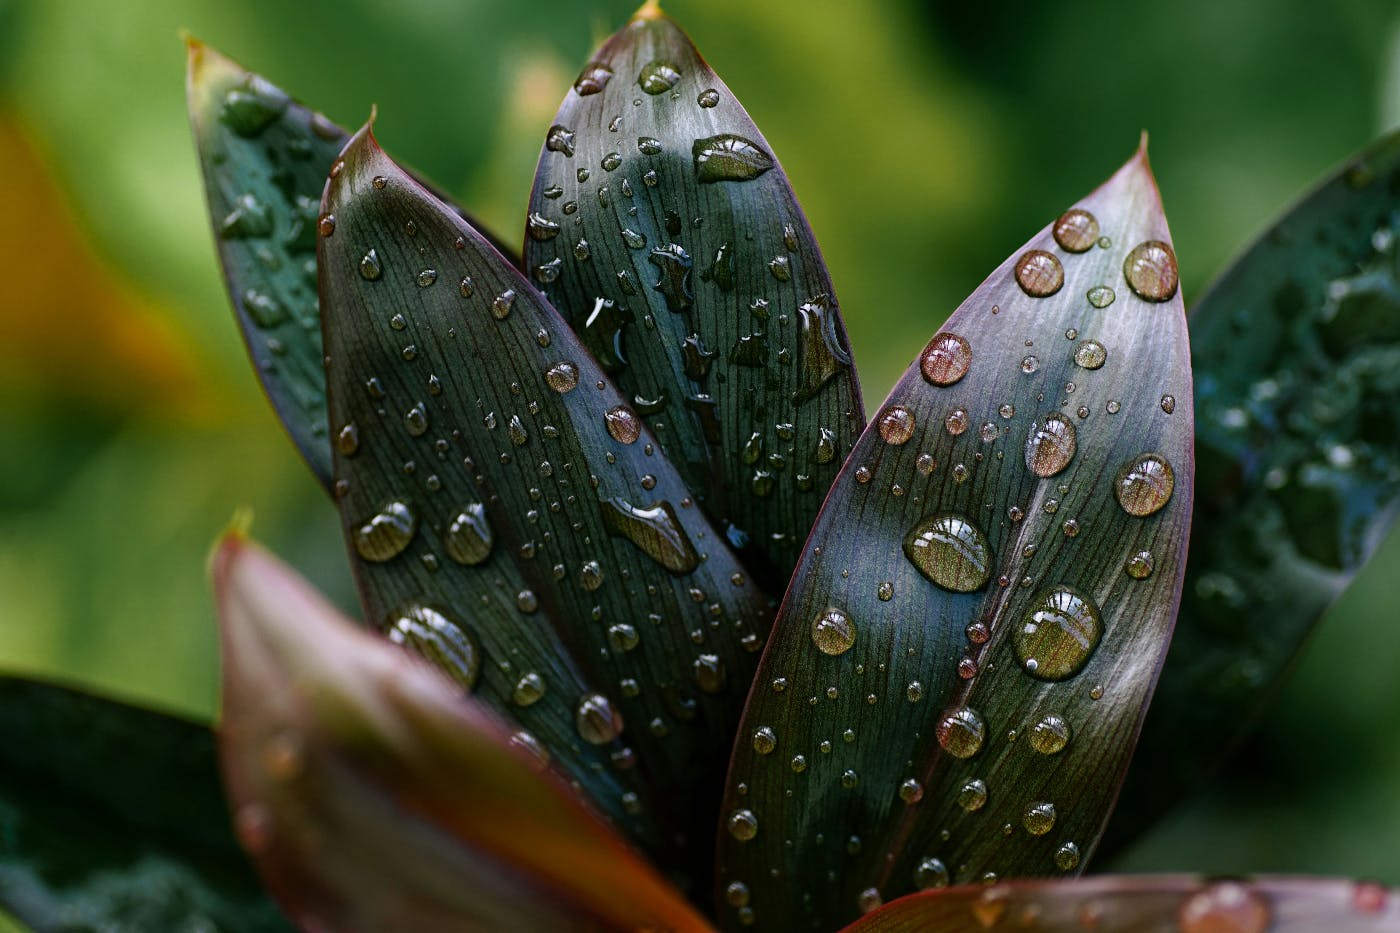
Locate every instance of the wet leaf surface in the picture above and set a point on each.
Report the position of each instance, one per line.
(112, 817)
(1129, 904)
(960, 668)
(1296, 349)
(264, 159)
(510, 515)
(665, 232)
(374, 796)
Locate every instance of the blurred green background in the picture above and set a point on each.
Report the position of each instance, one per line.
(925, 140)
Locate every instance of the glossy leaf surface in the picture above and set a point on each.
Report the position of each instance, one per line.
(1296, 349)
(488, 471)
(1129, 904)
(959, 670)
(112, 817)
(374, 796)
(665, 232)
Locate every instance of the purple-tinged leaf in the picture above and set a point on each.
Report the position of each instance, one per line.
(373, 796)
(510, 515)
(665, 232)
(1141, 904)
(1296, 349)
(959, 670)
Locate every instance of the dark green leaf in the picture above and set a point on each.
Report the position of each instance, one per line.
(1296, 349)
(265, 159)
(959, 670)
(489, 472)
(112, 817)
(665, 232)
(1128, 904)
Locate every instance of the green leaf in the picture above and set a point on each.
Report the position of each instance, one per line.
(264, 159)
(1130, 904)
(374, 797)
(665, 232)
(959, 670)
(112, 817)
(510, 515)
(1296, 349)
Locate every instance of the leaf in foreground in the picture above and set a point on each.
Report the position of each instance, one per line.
(113, 816)
(373, 796)
(1128, 904)
(959, 671)
(1296, 349)
(510, 515)
(665, 232)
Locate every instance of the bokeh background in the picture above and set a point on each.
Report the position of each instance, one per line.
(925, 140)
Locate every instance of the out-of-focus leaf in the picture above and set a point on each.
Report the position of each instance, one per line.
(68, 326)
(489, 474)
(1296, 349)
(665, 232)
(112, 817)
(374, 796)
(959, 670)
(265, 159)
(1140, 904)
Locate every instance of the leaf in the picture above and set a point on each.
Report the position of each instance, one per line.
(665, 232)
(264, 159)
(1129, 904)
(112, 817)
(959, 670)
(488, 472)
(1296, 349)
(373, 796)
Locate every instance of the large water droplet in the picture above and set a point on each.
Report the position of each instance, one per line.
(562, 377)
(656, 530)
(833, 632)
(597, 721)
(1077, 230)
(951, 551)
(946, 358)
(1151, 270)
(727, 157)
(896, 425)
(1057, 636)
(468, 538)
(384, 535)
(961, 732)
(1224, 907)
(1050, 445)
(820, 355)
(657, 77)
(442, 641)
(560, 139)
(1039, 273)
(1144, 485)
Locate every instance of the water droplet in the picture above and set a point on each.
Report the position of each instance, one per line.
(501, 305)
(434, 636)
(972, 796)
(562, 377)
(869, 900)
(727, 157)
(708, 98)
(326, 225)
(598, 723)
(764, 740)
(1151, 270)
(1039, 273)
(1030, 364)
(1039, 818)
(915, 691)
(594, 77)
(348, 440)
(930, 873)
(656, 530)
(529, 689)
(1056, 638)
(1144, 485)
(427, 277)
(590, 575)
(1050, 445)
(820, 355)
(896, 425)
(951, 551)
(560, 139)
(657, 77)
(911, 791)
(1050, 735)
(468, 537)
(1100, 296)
(1067, 857)
(1090, 354)
(737, 894)
(611, 161)
(956, 422)
(743, 825)
(961, 732)
(1077, 230)
(370, 269)
(1168, 404)
(1224, 907)
(527, 602)
(623, 424)
(415, 420)
(1140, 565)
(385, 534)
(648, 145)
(540, 227)
(833, 632)
(623, 637)
(946, 358)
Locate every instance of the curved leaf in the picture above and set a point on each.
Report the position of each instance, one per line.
(1296, 349)
(1128, 904)
(665, 232)
(487, 469)
(112, 817)
(264, 159)
(373, 796)
(960, 668)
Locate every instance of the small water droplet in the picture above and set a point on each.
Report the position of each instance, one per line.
(1039, 273)
(727, 157)
(1039, 818)
(1144, 485)
(657, 77)
(529, 689)
(1224, 907)
(930, 873)
(501, 305)
(946, 358)
(911, 791)
(656, 530)
(708, 98)
(896, 425)
(427, 277)
(370, 269)
(1077, 230)
(1057, 636)
(973, 795)
(1050, 735)
(560, 139)
(348, 440)
(527, 602)
(1151, 271)
(326, 225)
(1140, 565)
(387, 533)
(468, 537)
(1030, 364)
(597, 721)
(594, 77)
(764, 740)
(869, 900)
(562, 377)
(1050, 445)
(416, 420)
(1090, 354)
(833, 632)
(743, 825)
(432, 635)
(1168, 404)
(950, 551)
(623, 424)
(961, 732)
(956, 422)
(1067, 857)
(1100, 296)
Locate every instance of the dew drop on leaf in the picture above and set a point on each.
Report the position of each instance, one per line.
(597, 721)
(1039, 818)
(950, 551)
(1050, 734)
(594, 77)
(1056, 637)
(1076, 230)
(728, 157)
(930, 873)
(1039, 273)
(468, 537)
(384, 535)
(961, 732)
(1090, 354)
(896, 425)
(432, 635)
(833, 632)
(370, 269)
(1151, 271)
(1144, 485)
(946, 358)
(657, 77)
(1224, 907)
